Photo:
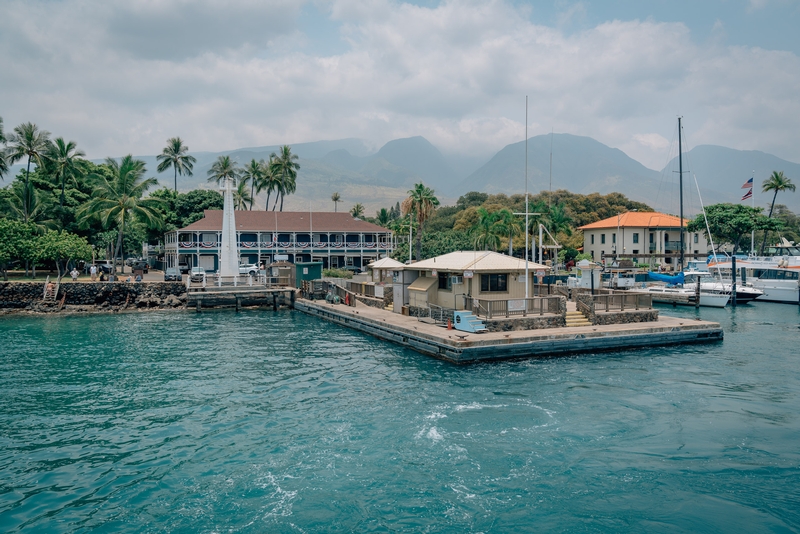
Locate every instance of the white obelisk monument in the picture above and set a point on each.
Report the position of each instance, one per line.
(229, 250)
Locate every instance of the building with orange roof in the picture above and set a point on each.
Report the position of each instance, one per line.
(643, 237)
(335, 239)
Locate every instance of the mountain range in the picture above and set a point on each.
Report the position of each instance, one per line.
(579, 164)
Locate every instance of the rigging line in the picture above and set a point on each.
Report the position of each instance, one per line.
(665, 186)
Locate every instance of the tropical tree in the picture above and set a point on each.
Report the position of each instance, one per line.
(241, 197)
(3, 161)
(421, 203)
(251, 174)
(383, 217)
(336, 198)
(269, 181)
(487, 231)
(29, 206)
(511, 226)
(16, 243)
(118, 200)
(63, 156)
(730, 223)
(222, 169)
(777, 182)
(175, 155)
(62, 247)
(285, 166)
(357, 211)
(31, 142)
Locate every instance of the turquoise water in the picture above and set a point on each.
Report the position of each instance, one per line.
(276, 422)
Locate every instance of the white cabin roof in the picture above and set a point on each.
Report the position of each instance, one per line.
(478, 261)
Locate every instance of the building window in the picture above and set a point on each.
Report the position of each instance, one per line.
(592, 236)
(444, 281)
(652, 238)
(696, 238)
(635, 252)
(602, 239)
(636, 237)
(592, 254)
(494, 282)
(614, 238)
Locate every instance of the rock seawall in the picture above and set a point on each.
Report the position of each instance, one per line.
(93, 296)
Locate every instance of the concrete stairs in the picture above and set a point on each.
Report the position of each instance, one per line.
(576, 318)
(468, 322)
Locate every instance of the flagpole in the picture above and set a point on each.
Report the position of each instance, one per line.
(753, 231)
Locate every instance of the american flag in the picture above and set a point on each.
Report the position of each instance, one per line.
(748, 184)
(747, 195)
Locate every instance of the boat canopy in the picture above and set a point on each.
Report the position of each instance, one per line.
(672, 280)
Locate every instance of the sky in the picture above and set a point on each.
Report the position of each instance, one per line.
(122, 77)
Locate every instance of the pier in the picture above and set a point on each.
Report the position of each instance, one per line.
(237, 297)
(461, 347)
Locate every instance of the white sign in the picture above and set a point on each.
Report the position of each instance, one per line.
(305, 270)
(540, 273)
(468, 274)
(281, 257)
(434, 273)
(516, 305)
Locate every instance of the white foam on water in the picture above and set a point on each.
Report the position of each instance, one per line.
(477, 406)
(434, 435)
(435, 416)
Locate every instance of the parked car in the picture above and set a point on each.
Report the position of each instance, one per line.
(171, 274)
(140, 265)
(105, 267)
(248, 268)
(197, 274)
(183, 268)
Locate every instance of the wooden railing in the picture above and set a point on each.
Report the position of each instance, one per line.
(622, 301)
(344, 296)
(513, 307)
(368, 290)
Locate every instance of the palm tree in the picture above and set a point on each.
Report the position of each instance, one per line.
(241, 198)
(357, 211)
(336, 198)
(119, 200)
(510, 225)
(383, 217)
(63, 155)
(421, 202)
(776, 182)
(252, 175)
(3, 162)
(285, 166)
(558, 221)
(269, 181)
(175, 156)
(222, 169)
(25, 199)
(488, 229)
(28, 140)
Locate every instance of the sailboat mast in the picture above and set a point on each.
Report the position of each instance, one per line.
(680, 181)
(527, 229)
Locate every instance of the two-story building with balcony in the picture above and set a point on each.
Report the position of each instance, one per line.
(336, 239)
(644, 237)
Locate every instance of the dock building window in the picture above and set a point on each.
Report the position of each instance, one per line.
(652, 238)
(636, 237)
(444, 281)
(602, 239)
(614, 237)
(695, 238)
(592, 236)
(494, 282)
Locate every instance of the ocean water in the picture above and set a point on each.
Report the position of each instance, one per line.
(277, 422)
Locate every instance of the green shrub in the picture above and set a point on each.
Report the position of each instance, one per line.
(337, 273)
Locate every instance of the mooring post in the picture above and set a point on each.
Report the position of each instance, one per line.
(238, 304)
(697, 294)
(733, 281)
(291, 299)
(197, 305)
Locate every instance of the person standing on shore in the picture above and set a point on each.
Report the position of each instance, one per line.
(74, 274)
(93, 272)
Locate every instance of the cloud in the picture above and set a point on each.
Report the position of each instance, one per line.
(123, 77)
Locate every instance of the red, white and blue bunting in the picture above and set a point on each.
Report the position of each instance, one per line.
(186, 244)
(249, 244)
(208, 244)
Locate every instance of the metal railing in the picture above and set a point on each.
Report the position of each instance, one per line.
(513, 307)
(343, 295)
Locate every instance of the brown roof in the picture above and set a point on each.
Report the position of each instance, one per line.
(638, 219)
(287, 221)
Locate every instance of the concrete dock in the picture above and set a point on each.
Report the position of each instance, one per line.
(462, 347)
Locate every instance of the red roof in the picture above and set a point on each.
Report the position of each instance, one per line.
(285, 221)
(638, 219)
